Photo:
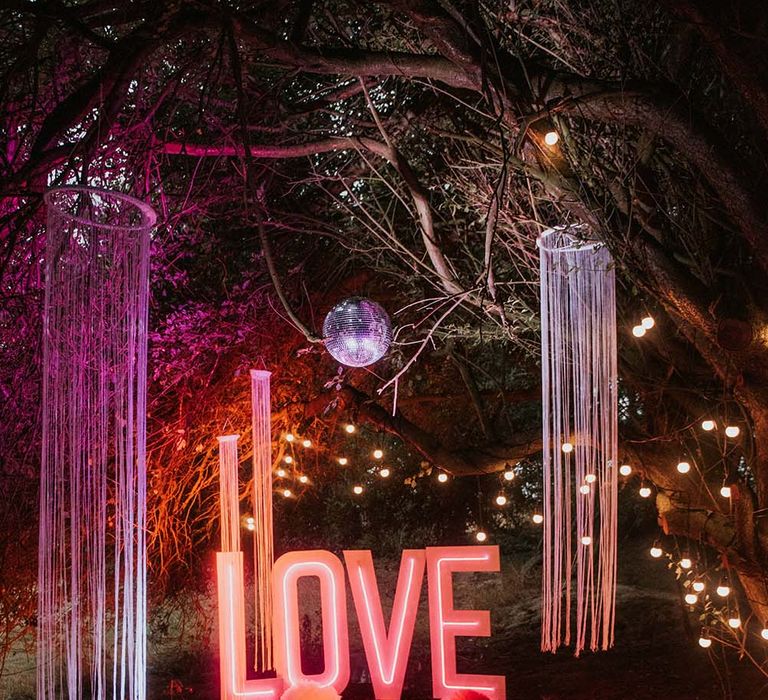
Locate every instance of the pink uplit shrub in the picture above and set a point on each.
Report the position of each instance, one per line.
(468, 695)
(310, 691)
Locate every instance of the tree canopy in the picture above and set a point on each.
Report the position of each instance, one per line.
(302, 151)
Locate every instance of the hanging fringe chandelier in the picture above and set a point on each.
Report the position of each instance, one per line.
(92, 570)
(260, 523)
(263, 541)
(580, 416)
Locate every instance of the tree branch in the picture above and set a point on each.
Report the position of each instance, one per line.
(355, 61)
(419, 195)
(671, 121)
(485, 459)
(266, 248)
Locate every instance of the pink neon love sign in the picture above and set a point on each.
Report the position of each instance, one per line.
(387, 652)
(446, 623)
(386, 649)
(234, 686)
(286, 573)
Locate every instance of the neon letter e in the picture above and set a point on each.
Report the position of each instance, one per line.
(445, 623)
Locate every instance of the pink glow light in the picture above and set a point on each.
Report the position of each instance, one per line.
(234, 685)
(446, 623)
(387, 654)
(286, 573)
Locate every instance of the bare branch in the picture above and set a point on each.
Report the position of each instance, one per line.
(484, 459)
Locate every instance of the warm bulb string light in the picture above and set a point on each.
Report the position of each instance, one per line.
(701, 592)
(377, 469)
(296, 447)
(730, 429)
(292, 481)
(721, 626)
(294, 444)
(375, 458)
(722, 622)
(722, 491)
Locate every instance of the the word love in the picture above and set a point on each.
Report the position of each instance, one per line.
(387, 647)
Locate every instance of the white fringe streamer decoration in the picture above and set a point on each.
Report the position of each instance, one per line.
(229, 493)
(263, 547)
(580, 408)
(91, 636)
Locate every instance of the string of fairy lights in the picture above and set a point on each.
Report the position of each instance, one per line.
(289, 471)
(719, 610)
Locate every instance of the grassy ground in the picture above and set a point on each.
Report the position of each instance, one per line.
(653, 659)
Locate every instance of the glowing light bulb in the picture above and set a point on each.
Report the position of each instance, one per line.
(625, 470)
(683, 467)
(645, 491)
(732, 431)
(691, 598)
(764, 633)
(350, 428)
(586, 540)
(705, 642)
(288, 459)
(567, 447)
(303, 479)
(647, 322)
(287, 493)
(289, 437)
(656, 552)
(638, 331)
(480, 536)
(725, 491)
(734, 623)
(501, 500)
(685, 563)
(357, 490)
(281, 473)
(590, 478)
(251, 526)
(249, 521)
(708, 425)
(584, 489)
(442, 477)
(378, 454)
(538, 518)
(698, 586)
(723, 591)
(509, 475)
(343, 461)
(551, 138)
(306, 443)
(384, 473)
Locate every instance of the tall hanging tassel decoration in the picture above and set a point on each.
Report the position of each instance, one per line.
(263, 541)
(580, 417)
(229, 493)
(91, 636)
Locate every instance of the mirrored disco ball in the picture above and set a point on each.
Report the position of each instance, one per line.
(357, 332)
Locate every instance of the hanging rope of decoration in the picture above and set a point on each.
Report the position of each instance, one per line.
(580, 416)
(229, 493)
(91, 634)
(263, 541)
